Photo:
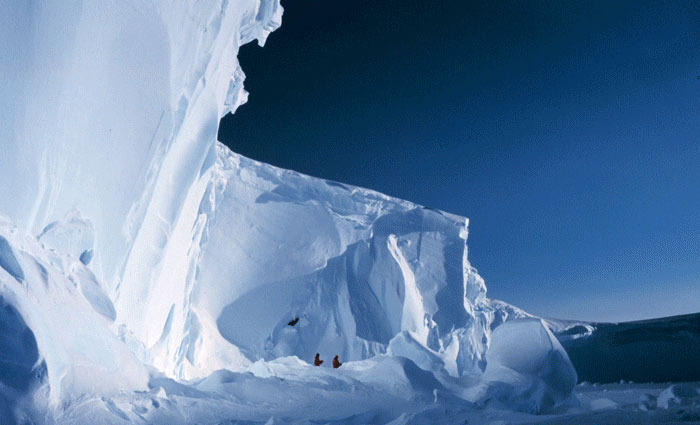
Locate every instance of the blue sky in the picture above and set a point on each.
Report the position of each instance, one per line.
(568, 132)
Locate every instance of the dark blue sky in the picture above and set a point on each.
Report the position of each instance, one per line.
(568, 132)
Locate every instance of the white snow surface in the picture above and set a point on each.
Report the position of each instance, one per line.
(148, 274)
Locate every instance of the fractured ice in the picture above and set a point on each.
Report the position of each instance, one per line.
(142, 261)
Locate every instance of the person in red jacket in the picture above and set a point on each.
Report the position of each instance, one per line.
(317, 360)
(336, 362)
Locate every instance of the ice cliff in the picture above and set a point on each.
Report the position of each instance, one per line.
(132, 245)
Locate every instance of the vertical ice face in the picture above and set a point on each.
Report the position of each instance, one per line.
(357, 268)
(110, 107)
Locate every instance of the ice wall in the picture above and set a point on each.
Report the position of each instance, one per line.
(204, 256)
(109, 111)
(355, 266)
(159, 250)
(111, 107)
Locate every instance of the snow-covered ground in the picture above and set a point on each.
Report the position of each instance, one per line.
(300, 394)
(150, 275)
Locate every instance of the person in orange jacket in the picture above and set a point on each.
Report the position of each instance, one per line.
(317, 360)
(336, 362)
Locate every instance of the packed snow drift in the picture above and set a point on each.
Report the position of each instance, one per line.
(150, 275)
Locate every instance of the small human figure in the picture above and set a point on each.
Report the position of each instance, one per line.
(336, 362)
(317, 360)
(293, 322)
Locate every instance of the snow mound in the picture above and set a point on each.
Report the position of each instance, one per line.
(527, 368)
(602, 403)
(403, 345)
(395, 375)
(73, 236)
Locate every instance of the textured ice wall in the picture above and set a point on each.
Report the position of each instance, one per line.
(111, 107)
(69, 340)
(356, 267)
(109, 111)
(197, 258)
